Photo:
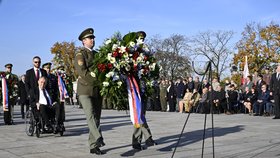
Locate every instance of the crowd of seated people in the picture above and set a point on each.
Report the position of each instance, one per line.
(193, 96)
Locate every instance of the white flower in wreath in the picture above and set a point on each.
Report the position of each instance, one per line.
(108, 41)
(139, 41)
(123, 63)
(119, 84)
(139, 59)
(152, 67)
(122, 49)
(134, 61)
(109, 74)
(92, 74)
(116, 77)
(105, 84)
(109, 56)
(125, 55)
(140, 72)
(117, 66)
(147, 62)
(149, 83)
(112, 60)
(125, 59)
(127, 67)
(114, 47)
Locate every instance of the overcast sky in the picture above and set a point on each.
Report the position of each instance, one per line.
(31, 27)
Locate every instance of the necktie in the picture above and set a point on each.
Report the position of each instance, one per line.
(278, 76)
(47, 98)
(37, 74)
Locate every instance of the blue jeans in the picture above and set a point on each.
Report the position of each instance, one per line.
(259, 108)
(269, 107)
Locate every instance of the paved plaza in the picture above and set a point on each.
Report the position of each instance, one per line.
(236, 136)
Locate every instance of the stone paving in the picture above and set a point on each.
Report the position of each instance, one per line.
(236, 136)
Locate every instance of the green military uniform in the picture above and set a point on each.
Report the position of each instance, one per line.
(89, 92)
(12, 84)
(144, 128)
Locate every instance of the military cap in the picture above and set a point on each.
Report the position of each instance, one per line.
(141, 34)
(47, 65)
(9, 65)
(86, 33)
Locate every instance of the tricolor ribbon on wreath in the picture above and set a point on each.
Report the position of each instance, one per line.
(134, 99)
(62, 88)
(5, 95)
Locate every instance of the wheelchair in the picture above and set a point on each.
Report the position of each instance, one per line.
(34, 124)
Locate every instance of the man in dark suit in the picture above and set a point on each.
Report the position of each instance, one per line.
(89, 91)
(275, 90)
(263, 98)
(32, 77)
(41, 100)
(23, 96)
(259, 83)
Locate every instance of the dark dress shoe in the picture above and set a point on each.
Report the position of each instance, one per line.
(276, 117)
(137, 146)
(150, 142)
(99, 142)
(96, 151)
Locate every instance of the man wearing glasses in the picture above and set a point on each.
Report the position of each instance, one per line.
(263, 98)
(32, 77)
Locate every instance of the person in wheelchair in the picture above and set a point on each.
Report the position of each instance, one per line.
(42, 103)
(46, 107)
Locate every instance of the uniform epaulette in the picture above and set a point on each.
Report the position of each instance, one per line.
(79, 51)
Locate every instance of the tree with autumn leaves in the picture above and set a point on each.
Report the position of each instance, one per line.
(64, 54)
(261, 45)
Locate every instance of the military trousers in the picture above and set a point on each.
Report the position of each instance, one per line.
(92, 109)
(139, 132)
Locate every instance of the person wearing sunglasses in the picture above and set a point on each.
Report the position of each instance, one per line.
(32, 76)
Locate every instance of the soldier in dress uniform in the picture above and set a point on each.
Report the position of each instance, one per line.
(89, 91)
(143, 129)
(52, 88)
(12, 84)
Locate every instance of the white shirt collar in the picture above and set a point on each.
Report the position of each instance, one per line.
(88, 48)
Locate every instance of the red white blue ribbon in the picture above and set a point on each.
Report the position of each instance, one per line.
(135, 107)
(5, 95)
(62, 88)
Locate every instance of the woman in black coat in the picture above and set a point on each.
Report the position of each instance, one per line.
(171, 96)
